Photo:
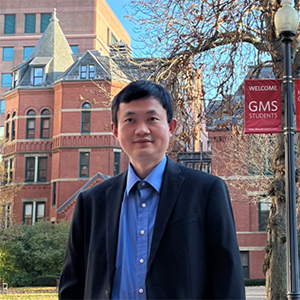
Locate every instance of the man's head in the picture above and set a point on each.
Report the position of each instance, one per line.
(138, 90)
(143, 123)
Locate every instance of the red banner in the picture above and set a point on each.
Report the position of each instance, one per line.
(297, 100)
(263, 106)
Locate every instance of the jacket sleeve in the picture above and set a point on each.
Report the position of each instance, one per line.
(72, 280)
(224, 267)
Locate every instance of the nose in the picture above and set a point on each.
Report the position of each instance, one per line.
(142, 129)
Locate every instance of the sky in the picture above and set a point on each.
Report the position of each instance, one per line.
(118, 7)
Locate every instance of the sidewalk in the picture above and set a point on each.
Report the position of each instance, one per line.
(256, 293)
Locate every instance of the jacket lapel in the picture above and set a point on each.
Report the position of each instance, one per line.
(114, 198)
(171, 186)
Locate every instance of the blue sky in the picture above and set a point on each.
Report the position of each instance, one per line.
(118, 7)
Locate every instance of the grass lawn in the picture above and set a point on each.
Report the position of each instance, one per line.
(30, 293)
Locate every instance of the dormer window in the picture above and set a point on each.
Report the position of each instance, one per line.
(16, 77)
(83, 72)
(38, 76)
(87, 71)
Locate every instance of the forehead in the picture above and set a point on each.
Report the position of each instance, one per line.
(143, 105)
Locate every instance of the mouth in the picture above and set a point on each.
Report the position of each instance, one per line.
(142, 141)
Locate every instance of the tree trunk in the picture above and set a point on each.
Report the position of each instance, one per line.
(274, 265)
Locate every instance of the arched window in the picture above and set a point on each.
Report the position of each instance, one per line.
(86, 118)
(13, 126)
(45, 124)
(30, 124)
(7, 127)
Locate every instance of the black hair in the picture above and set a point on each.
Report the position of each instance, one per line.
(138, 90)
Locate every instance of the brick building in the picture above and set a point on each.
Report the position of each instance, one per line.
(56, 140)
(88, 24)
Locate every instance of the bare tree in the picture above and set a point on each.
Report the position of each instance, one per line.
(222, 39)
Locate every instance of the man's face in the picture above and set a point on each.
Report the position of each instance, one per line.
(143, 130)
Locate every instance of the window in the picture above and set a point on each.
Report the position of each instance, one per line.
(8, 171)
(9, 24)
(2, 109)
(45, 124)
(91, 71)
(6, 80)
(36, 169)
(87, 71)
(30, 126)
(33, 212)
(45, 20)
(13, 126)
(29, 23)
(113, 39)
(117, 156)
(6, 216)
(8, 53)
(84, 164)
(85, 118)
(83, 72)
(7, 127)
(54, 194)
(26, 52)
(16, 77)
(74, 49)
(1, 133)
(245, 263)
(38, 76)
(264, 206)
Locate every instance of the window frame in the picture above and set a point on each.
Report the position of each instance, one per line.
(265, 213)
(43, 25)
(25, 48)
(45, 116)
(86, 112)
(31, 169)
(81, 165)
(6, 25)
(29, 23)
(8, 57)
(2, 80)
(54, 194)
(13, 126)
(34, 212)
(117, 165)
(39, 169)
(36, 77)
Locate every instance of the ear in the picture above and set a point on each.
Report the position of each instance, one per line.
(172, 126)
(114, 129)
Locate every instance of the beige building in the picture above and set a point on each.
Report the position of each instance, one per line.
(87, 25)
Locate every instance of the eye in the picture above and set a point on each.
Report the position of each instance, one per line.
(153, 119)
(129, 120)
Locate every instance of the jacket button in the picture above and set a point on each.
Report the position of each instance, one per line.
(107, 294)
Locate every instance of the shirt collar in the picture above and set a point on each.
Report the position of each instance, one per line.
(154, 178)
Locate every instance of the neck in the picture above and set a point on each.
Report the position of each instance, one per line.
(143, 169)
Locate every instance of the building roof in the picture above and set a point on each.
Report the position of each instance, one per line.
(86, 186)
(52, 53)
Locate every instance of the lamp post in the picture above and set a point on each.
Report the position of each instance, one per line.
(286, 23)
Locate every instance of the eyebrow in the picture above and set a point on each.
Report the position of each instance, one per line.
(129, 113)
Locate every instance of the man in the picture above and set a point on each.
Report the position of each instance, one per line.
(157, 231)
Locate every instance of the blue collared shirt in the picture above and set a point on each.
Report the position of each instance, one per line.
(136, 226)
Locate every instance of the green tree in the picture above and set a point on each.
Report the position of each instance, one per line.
(27, 252)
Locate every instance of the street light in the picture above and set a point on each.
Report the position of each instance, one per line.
(286, 23)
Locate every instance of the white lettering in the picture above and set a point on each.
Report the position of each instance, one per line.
(263, 88)
(255, 106)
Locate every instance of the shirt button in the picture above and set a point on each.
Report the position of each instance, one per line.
(144, 205)
(143, 184)
(141, 291)
(142, 232)
(141, 261)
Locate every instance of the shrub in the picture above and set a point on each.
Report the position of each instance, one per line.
(255, 282)
(49, 280)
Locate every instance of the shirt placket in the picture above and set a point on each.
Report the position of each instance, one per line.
(142, 239)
